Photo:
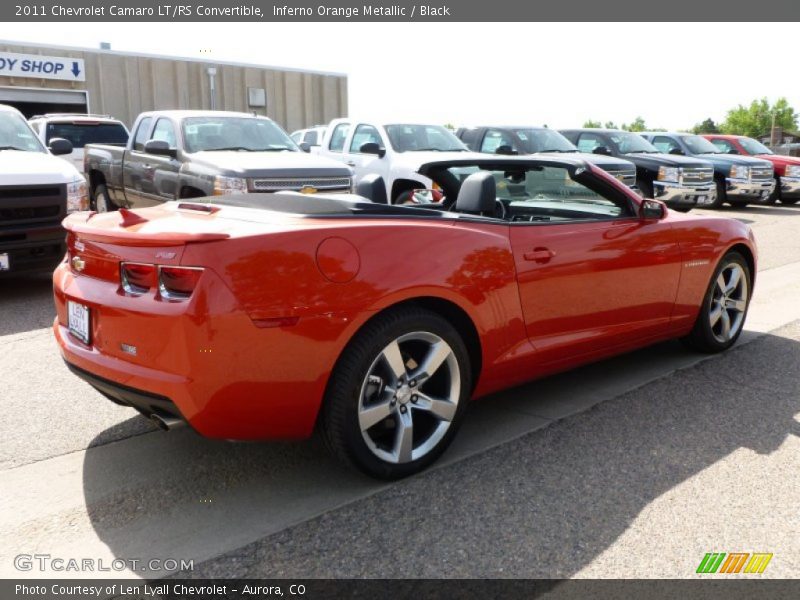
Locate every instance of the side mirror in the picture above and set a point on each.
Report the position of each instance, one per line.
(372, 148)
(160, 148)
(305, 146)
(505, 149)
(733, 151)
(602, 150)
(676, 150)
(652, 209)
(60, 146)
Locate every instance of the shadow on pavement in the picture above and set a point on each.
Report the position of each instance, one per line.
(758, 209)
(544, 505)
(26, 303)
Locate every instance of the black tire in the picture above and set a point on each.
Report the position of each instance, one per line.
(776, 193)
(683, 209)
(645, 187)
(355, 372)
(105, 203)
(789, 201)
(703, 338)
(722, 195)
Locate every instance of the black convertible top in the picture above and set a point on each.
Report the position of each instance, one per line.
(316, 205)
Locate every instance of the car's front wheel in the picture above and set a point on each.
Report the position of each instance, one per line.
(398, 393)
(102, 203)
(724, 307)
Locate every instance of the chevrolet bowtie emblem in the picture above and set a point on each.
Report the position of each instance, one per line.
(308, 189)
(78, 263)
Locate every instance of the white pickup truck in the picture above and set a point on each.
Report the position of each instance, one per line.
(37, 190)
(394, 151)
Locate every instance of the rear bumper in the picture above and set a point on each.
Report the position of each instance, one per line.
(745, 190)
(146, 403)
(683, 196)
(203, 361)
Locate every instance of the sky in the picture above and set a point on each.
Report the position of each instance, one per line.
(559, 74)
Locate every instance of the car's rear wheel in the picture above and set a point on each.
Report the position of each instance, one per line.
(724, 307)
(776, 193)
(102, 203)
(398, 393)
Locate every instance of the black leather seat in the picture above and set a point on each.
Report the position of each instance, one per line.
(478, 195)
(373, 188)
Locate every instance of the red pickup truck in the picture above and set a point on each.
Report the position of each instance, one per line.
(787, 168)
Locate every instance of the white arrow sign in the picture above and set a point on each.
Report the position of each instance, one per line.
(41, 67)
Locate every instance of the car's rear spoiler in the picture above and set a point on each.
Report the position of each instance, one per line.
(127, 233)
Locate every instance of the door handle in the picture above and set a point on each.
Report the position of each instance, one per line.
(539, 255)
(350, 163)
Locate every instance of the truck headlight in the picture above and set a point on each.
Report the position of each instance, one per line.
(229, 185)
(792, 171)
(740, 172)
(672, 174)
(77, 196)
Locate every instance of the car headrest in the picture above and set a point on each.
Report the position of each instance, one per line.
(373, 188)
(478, 194)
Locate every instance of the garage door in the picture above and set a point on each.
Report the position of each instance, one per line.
(40, 101)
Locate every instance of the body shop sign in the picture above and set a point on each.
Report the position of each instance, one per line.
(42, 67)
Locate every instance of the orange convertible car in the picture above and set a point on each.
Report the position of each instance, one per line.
(258, 316)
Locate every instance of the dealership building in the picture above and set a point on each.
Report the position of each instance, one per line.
(40, 79)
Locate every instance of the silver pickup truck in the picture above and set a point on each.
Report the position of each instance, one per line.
(189, 154)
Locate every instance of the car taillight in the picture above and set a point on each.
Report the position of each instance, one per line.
(137, 278)
(178, 283)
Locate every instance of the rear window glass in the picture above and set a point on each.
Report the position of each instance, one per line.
(81, 134)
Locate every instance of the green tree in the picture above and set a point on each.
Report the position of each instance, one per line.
(592, 124)
(707, 126)
(756, 120)
(610, 125)
(637, 125)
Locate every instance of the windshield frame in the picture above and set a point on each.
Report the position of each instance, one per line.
(623, 135)
(689, 139)
(36, 146)
(393, 142)
(290, 145)
(750, 146)
(532, 144)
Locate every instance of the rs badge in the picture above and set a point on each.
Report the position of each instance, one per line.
(78, 263)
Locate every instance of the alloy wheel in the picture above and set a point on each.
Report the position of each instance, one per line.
(409, 397)
(728, 303)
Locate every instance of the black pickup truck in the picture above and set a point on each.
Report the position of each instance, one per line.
(540, 140)
(189, 154)
(740, 180)
(680, 181)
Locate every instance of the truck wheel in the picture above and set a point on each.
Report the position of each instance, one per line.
(724, 306)
(721, 195)
(101, 202)
(645, 187)
(776, 193)
(398, 393)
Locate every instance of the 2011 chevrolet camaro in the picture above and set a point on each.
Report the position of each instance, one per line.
(261, 316)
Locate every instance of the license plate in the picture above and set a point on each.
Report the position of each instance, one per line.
(702, 199)
(78, 321)
(5, 265)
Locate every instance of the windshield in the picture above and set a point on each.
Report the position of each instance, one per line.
(16, 135)
(418, 138)
(544, 140)
(752, 146)
(629, 143)
(81, 134)
(235, 133)
(699, 145)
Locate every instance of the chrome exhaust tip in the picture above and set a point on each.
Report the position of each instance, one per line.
(166, 423)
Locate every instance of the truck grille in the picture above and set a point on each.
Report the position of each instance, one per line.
(341, 184)
(761, 173)
(626, 176)
(698, 176)
(23, 205)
